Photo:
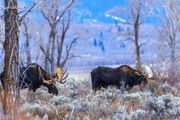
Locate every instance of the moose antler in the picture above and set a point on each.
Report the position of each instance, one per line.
(61, 75)
(51, 81)
(147, 71)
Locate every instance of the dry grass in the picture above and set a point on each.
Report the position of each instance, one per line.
(76, 100)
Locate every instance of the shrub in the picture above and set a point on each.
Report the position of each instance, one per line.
(166, 88)
(34, 109)
(165, 105)
(76, 100)
(57, 100)
(152, 86)
(138, 114)
(121, 114)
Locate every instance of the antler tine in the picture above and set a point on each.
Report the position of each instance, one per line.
(65, 76)
(44, 81)
(65, 71)
(63, 80)
(60, 75)
(143, 72)
(149, 71)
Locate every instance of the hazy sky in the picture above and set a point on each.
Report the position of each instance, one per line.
(90, 11)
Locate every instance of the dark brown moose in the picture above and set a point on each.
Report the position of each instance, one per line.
(33, 76)
(123, 76)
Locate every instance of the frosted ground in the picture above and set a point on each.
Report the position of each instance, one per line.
(76, 101)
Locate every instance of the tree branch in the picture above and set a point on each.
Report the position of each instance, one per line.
(65, 9)
(46, 17)
(128, 39)
(43, 51)
(25, 14)
(142, 44)
(68, 49)
(66, 27)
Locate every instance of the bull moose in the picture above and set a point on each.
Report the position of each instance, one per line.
(121, 76)
(33, 76)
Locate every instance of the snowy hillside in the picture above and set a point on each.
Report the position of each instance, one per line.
(107, 44)
(99, 44)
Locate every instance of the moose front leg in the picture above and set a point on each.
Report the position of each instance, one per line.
(30, 95)
(122, 83)
(128, 87)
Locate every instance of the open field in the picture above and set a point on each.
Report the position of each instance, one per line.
(76, 101)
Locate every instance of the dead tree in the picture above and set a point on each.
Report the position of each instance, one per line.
(27, 42)
(53, 17)
(137, 11)
(11, 48)
(170, 24)
(60, 43)
(11, 58)
(23, 20)
(68, 55)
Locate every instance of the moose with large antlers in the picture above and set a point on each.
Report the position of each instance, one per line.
(121, 76)
(33, 76)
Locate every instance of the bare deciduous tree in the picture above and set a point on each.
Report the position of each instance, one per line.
(53, 14)
(27, 42)
(68, 55)
(170, 30)
(11, 48)
(60, 43)
(11, 59)
(134, 15)
(139, 10)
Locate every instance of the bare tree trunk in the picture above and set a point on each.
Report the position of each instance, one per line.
(27, 46)
(11, 47)
(137, 47)
(60, 52)
(136, 42)
(170, 32)
(65, 27)
(53, 49)
(60, 48)
(47, 54)
(173, 58)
